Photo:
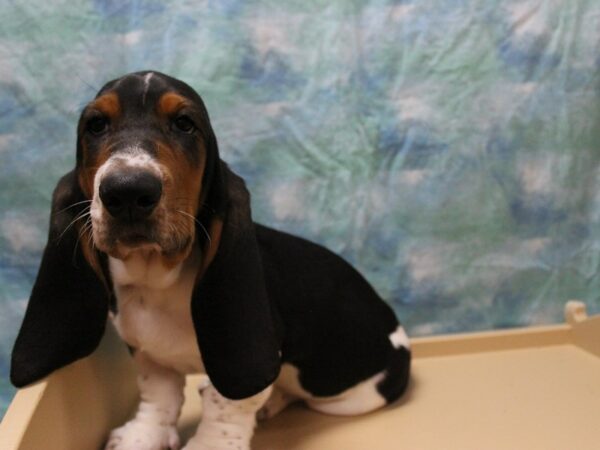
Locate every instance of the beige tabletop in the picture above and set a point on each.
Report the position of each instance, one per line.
(536, 388)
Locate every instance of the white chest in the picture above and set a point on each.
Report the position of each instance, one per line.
(154, 311)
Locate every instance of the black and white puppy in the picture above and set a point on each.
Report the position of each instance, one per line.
(154, 230)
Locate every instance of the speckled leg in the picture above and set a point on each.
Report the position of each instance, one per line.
(226, 424)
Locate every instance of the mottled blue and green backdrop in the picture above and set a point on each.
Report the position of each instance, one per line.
(449, 149)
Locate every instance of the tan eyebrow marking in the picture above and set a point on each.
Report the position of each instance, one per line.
(170, 103)
(108, 104)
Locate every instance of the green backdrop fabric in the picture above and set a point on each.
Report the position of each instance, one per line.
(449, 149)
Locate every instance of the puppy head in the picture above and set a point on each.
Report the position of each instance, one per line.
(146, 156)
(148, 166)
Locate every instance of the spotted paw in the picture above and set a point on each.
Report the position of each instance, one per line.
(136, 435)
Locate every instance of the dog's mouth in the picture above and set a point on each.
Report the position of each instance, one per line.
(119, 240)
(128, 243)
(109, 233)
(135, 239)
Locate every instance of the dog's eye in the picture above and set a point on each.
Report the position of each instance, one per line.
(97, 125)
(184, 124)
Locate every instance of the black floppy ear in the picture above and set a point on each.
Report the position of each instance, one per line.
(230, 307)
(68, 307)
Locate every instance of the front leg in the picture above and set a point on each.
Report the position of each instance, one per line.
(226, 424)
(153, 427)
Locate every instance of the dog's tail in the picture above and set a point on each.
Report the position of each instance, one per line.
(397, 375)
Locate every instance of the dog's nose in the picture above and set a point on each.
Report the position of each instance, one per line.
(130, 195)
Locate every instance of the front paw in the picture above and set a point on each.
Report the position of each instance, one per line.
(137, 435)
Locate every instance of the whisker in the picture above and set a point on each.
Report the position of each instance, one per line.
(73, 205)
(91, 236)
(83, 214)
(89, 85)
(199, 223)
(86, 228)
(74, 256)
(77, 244)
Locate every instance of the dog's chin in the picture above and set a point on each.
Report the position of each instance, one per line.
(124, 245)
(123, 248)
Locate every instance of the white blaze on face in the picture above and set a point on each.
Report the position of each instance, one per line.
(147, 79)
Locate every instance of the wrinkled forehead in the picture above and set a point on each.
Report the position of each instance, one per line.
(143, 92)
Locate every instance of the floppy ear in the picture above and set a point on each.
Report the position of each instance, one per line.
(68, 307)
(230, 307)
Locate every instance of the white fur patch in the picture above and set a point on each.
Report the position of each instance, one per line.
(399, 338)
(144, 268)
(147, 79)
(135, 157)
(153, 304)
(359, 399)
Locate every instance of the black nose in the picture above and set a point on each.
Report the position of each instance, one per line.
(130, 195)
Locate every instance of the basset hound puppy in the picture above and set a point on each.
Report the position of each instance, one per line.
(154, 230)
